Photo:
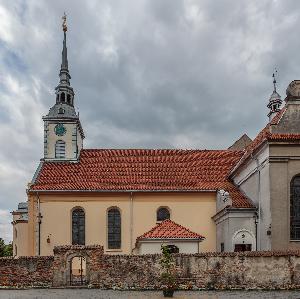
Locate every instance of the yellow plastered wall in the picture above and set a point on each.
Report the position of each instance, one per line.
(192, 210)
(20, 236)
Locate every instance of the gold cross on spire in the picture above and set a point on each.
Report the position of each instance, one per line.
(64, 24)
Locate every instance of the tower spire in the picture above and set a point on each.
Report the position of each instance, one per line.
(63, 133)
(64, 91)
(64, 63)
(275, 99)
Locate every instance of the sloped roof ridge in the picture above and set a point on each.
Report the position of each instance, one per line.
(157, 149)
(260, 138)
(169, 229)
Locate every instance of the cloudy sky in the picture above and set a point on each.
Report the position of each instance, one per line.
(147, 74)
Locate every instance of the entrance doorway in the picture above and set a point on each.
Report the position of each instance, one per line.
(78, 271)
(242, 247)
(243, 240)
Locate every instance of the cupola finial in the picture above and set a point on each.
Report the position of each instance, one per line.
(64, 24)
(274, 79)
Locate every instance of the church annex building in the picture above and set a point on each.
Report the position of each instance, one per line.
(131, 201)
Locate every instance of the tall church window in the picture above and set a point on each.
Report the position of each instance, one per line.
(78, 227)
(60, 149)
(68, 99)
(114, 228)
(162, 214)
(295, 209)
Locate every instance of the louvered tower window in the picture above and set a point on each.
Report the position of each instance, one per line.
(295, 209)
(78, 227)
(162, 214)
(114, 228)
(60, 149)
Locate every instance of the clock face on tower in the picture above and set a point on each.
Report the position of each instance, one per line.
(60, 130)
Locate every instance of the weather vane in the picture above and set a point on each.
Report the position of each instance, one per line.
(64, 24)
(274, 78)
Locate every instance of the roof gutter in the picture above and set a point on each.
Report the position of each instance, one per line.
(121, 191)
(169, 239)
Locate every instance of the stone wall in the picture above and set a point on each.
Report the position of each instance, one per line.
(26, 271)
(249, 270)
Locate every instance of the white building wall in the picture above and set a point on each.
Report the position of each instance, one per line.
(155, 247)
(254, 180)
(72, 139)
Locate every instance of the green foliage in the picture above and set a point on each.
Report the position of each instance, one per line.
(5, 249)
(168, 276)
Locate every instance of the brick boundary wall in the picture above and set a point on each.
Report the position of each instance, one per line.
(247, 270)
(26, 272)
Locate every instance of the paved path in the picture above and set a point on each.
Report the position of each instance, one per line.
(96, 294)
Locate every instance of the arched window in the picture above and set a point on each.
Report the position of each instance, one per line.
(62, 97)
(114, 228)
(57, 98)
(295, 209)
(68, 99)
(162, 214)
(61, 111)
(78, 227)
(60, 149)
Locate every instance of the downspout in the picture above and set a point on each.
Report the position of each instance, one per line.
(131, 221)
(255, 222)
(258, 235)
(39, 226)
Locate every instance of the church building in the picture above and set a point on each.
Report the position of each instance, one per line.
(131, 201)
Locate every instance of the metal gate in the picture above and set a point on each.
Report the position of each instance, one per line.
(78, 271)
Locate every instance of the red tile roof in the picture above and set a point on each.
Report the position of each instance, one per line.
(266, 135)
(144, 170)
(168, 229)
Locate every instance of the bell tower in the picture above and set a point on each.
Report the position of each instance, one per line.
(274, 101)
(63, 133)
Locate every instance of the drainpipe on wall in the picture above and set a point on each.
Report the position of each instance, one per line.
(131, 221)
(258, 236)
(39, 227)
(255, 222)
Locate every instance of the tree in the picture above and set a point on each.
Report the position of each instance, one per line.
(5, 249)
(2, 247)
(8, 249)
(168, 275)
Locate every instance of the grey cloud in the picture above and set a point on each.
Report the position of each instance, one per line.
(146, 73)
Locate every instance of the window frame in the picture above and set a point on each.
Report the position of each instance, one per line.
(59, 144)
(108, 244)
(84, 230)
(292, 233)
(160, 208)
